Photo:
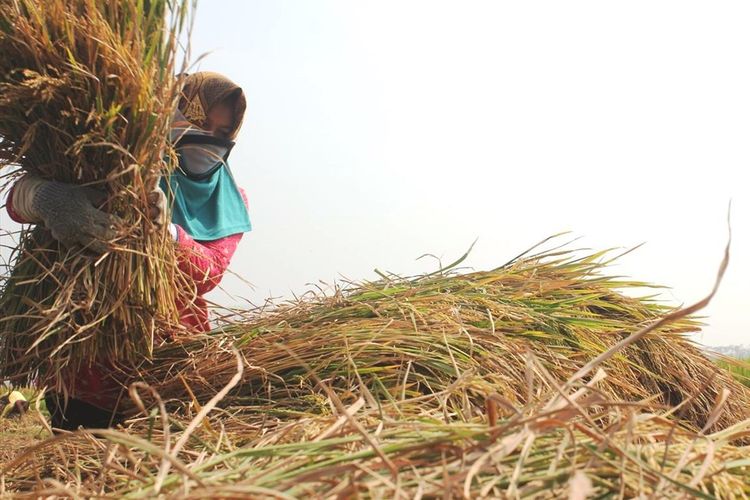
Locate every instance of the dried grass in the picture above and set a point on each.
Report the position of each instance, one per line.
(471, 333)
(446, 385)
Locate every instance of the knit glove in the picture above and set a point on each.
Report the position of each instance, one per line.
(68, 212)
(157, 206)
(158, 211)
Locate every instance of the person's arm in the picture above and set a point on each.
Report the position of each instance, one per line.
(67, 210)
(206, 261)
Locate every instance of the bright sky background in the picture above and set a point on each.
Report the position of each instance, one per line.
(380, 131)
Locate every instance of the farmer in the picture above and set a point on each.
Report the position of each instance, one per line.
(209, 217)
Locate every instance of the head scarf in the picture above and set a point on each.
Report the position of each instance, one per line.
(208, 207)
(202, 90)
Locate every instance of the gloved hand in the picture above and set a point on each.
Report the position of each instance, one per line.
(157, 210)
(157, 206)
(68, 212)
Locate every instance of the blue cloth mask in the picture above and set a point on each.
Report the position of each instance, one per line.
(199, 152)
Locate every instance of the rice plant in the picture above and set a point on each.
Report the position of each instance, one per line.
(739, 368)
(458, 385)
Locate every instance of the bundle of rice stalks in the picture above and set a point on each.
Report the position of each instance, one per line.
(87, 90)
(401, 450)
(461, 338)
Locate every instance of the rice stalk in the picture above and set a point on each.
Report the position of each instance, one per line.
(455, 385)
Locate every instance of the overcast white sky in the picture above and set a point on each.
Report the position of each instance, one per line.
(379, 131)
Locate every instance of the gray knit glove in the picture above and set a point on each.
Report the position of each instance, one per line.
(68, 212)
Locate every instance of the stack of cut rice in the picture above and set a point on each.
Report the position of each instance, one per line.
(472, 333)
(455, 386)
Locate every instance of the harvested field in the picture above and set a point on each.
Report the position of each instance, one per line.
(451, 384)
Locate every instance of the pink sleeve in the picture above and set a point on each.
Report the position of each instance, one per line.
(9, 208)
(206, 261)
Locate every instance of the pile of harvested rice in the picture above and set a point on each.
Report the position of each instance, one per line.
(462, 337)
(588, 447)
(457, 385)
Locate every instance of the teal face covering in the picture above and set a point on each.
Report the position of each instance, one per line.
(207, 208)
(206, 202)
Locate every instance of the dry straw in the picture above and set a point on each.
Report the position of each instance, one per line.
(588, 447)
(87, 90)
(461, 337)
(454, 385)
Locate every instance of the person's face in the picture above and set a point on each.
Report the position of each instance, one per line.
(220, 120)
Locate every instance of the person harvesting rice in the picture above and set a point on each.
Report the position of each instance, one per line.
(208, 218)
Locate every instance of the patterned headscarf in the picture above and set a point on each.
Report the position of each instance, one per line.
(204, 89)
